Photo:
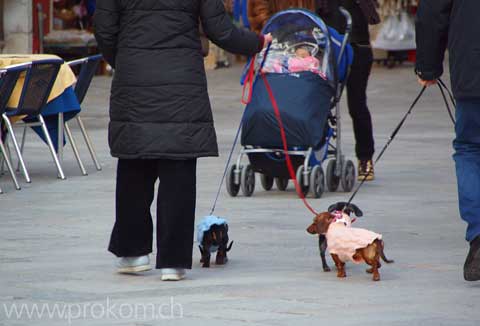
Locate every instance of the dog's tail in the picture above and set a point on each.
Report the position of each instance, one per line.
(230, 246)
(382, 254)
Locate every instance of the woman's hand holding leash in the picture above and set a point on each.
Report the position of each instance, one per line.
(268, 38)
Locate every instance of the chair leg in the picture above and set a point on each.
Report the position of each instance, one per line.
(9, 165)
(89, 143)
(17, 148)
(75, 149)
(51, 147)
(22, 145)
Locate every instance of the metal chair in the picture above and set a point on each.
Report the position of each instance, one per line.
(88, 67)
(39, 80)
(8, 80)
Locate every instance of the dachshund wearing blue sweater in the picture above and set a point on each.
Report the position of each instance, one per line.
(212, 237)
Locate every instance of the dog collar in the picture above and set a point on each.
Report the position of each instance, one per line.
(339, 218)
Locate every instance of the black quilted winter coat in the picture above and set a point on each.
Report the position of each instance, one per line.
(452, 24)
(159, 106)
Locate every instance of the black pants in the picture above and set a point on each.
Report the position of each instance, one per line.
(357, 101)
(132, 234)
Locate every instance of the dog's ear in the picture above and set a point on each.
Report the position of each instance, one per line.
(332, 208)
(337, 207)
(312, 229)
(357, 211)
(323, 222)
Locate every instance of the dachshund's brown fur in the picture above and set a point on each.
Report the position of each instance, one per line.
(370, 254)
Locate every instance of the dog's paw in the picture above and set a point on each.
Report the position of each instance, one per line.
(327, 269)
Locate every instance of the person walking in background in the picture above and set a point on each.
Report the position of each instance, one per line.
(160, 119)
(363, 14)
(443, 24)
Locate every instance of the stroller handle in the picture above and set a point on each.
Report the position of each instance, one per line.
(348, 31)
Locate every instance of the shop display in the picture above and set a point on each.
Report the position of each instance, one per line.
(72, 33)
(397, 32)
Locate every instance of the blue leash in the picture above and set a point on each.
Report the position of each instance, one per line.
(237, 136)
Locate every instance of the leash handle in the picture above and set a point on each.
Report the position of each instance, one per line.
(248, 85)
(443, 88)
(250, 79)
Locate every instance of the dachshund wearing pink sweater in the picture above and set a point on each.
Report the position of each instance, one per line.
(349, 244)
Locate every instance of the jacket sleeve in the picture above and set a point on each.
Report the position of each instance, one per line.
(106, 23)
(432, 25)
(220, 30)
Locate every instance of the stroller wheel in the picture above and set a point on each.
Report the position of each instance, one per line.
(317, 181)
(267, 182)
(248, 181)
(282, 183)
(301, 180)
(348, 176)
(332, 180)
(232, 188)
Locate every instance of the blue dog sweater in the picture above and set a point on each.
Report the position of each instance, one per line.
(205, 224)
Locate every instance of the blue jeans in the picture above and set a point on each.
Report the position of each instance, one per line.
(467, 162)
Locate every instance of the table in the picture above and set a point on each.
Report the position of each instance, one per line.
(62, 102)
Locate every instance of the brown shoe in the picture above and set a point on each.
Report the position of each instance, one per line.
(366, 170)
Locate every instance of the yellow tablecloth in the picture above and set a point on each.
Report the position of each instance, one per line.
(65, 79)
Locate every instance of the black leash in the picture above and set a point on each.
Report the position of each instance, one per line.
(444, 89)
(392, 137)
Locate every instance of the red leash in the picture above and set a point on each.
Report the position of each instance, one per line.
(291, 171)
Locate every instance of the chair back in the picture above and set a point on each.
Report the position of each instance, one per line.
(38, 85)
(88, 67)
(8, 79)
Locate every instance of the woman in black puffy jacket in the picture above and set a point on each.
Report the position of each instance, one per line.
(160, 119)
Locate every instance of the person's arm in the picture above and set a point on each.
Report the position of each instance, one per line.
(432, 24)
(220, 30)
(106, 23)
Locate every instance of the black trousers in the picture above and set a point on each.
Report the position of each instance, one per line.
(357, 101)
(132, 233)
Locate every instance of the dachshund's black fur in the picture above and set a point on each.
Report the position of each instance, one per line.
(216, 236)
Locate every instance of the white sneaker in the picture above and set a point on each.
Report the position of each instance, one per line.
(128, 265)
(173, 274)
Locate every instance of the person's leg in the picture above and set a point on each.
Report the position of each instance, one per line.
(357, 102)
(133, 230)
(176, 213)
(467, 163)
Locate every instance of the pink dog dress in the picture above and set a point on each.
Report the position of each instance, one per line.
(343, 240)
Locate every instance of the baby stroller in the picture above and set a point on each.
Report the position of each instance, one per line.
(307, 66)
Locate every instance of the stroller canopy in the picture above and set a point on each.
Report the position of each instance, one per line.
(303, 42)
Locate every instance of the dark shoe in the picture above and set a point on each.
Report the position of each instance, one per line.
(366, 170)
(471, 270)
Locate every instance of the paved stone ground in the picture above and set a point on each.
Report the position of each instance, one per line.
(53, 234)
